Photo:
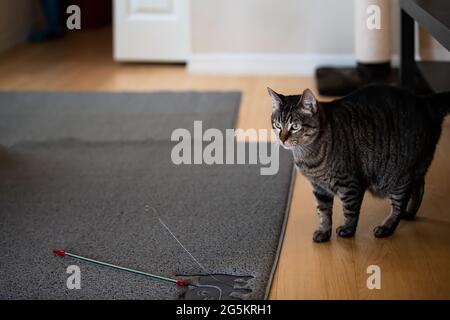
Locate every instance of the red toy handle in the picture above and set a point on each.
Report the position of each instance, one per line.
(59, 253)
(181, 283)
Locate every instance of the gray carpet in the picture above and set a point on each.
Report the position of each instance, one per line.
(93, 116)
(94, 195)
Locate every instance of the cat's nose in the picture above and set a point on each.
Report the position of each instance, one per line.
(283, 136)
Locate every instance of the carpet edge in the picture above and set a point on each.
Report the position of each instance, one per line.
(282, 235)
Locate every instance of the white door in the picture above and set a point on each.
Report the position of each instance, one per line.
(151, 30)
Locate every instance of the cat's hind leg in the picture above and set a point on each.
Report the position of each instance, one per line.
(324, 204)
(399, 200)
(415, 200)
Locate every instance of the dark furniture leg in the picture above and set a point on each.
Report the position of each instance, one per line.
(407, 63)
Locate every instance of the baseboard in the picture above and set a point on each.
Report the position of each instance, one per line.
(268, 64)
(264, 64)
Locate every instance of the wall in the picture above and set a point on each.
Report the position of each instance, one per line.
(278, 37)
(272, 36)
(428, 48)
(15, 22)
(272, 26)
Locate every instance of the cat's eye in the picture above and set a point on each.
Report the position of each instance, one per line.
(295, 126)
(277, 125)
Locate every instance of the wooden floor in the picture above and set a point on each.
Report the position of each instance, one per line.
(415, 262)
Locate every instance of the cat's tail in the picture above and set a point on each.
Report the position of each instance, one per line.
(441, 101)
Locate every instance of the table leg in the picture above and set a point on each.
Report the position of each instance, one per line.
(407, 51)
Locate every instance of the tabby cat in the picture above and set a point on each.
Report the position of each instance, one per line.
(378, 138)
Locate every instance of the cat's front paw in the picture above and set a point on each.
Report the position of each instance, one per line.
(321, 236)
(383, 231)
(345, 231)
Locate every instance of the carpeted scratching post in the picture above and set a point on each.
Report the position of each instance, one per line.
(372, 50)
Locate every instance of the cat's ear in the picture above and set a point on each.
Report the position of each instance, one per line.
(276, 99)
(308, 102)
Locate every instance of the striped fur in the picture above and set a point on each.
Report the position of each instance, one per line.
(379, 138)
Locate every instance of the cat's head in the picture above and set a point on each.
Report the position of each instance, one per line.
(295, 118)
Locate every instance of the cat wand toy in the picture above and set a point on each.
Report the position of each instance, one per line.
(179, 282)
